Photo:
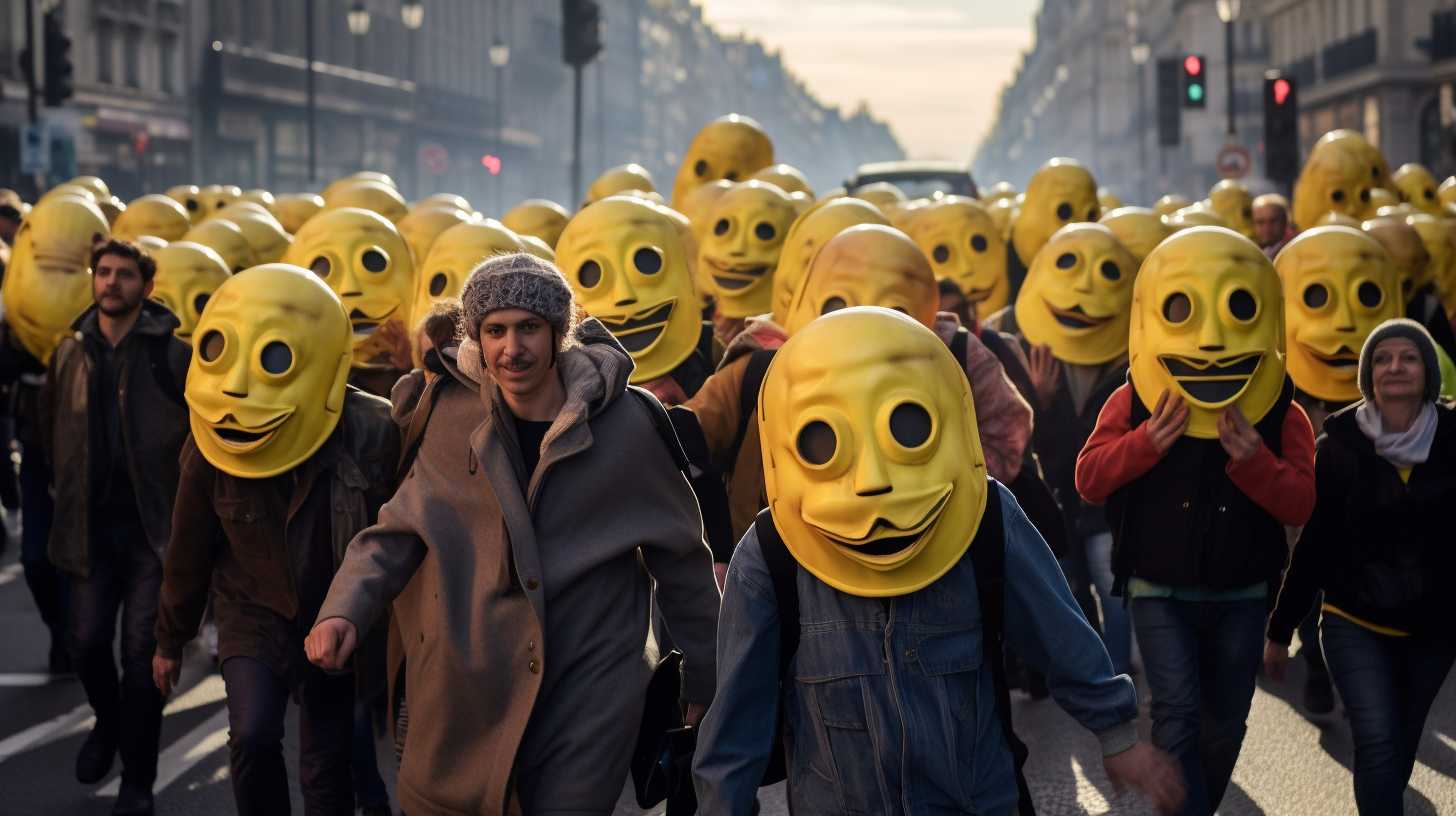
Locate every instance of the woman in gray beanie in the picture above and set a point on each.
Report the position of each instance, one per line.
(1379, 546)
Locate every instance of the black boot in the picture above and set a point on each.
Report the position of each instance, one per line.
(59, 661)
(97, 754)
(133, 801)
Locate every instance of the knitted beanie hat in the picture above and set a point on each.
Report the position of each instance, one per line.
(517, 281)
(1410, 330)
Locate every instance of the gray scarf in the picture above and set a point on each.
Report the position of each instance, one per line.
(1402, 449)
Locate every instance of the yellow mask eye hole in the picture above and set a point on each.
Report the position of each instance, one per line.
(1315, 296)
(1369, 294)
(1066, 260)
(1177, 308)
(979, 243)
(911, 425)
(212, 346)
(765, 231)
(1064, 211)
(833, 304)
(322, 267)
(374, 260)
(589, 275)
(816, 443)
(276, 358)
(1242, 305)
(438, 282)
(941, 253)
(731, 175)
(700, 168)
(721, 228)
(1338, 196)
(1111, 271)
(200, 302)
(647, 260)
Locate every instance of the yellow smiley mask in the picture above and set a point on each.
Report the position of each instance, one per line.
(539, 217)
(740, 249)
(262, 232)
(1416, 186)
(962, 242)
(872, 463)
(620, 179)
(731, 147)
(294, 209)
(190, 197)
(1439, 237)
(187, 276)
(1406, 250)
(227, 240)
(152, 215)
(998, 191)
(1138, 228)
(454, 255)
(1060, 193)
(866, 265)
(628, 267)
(1169, 204)
(1208, 324)
(270, 360)
(1339, 284)
(1232, 202)
(1076, 295)
(810, 231)
(786, 177)
(425, 224)
(1372, 162)
(1334, 179)
(374, 196)
(362, 257)
(47, 284)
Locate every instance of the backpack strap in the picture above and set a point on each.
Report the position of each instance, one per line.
(748, 395)
(783, 571)
(958, 343)
(662, 423)
(162, 370)
(707, 484)
(988, 559)
(414, 433)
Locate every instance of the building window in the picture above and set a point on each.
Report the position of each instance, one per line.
(1372, 119)
(169, 62)
(133, 56)
(105, 52)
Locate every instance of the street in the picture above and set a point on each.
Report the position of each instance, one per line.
(1290, 764)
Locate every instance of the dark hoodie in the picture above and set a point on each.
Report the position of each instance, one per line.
(143, 383)
(1379, 547)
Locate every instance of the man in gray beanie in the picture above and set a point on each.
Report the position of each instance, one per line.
(513, 555)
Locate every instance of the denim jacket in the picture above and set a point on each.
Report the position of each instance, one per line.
(892, 708)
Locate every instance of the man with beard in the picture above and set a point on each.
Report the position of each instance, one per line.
(115, 422)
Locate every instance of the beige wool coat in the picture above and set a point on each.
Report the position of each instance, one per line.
(526, 620)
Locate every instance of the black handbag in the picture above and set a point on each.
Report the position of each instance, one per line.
(662, 761)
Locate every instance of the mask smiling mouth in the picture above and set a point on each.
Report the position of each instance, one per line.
(239, 438)
(974, 296)
(1342, 358)
(733, 277)
(886, 545)
(364, 324)
(1075, 317)
(1212, 382)
(637, 332)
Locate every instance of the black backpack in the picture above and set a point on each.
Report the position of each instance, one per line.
(989, 563)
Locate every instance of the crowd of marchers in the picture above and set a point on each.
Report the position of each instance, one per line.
(737, 484)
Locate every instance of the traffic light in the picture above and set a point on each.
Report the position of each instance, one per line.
(1281, 127)
(581, 31)
(1195, 81)
(1170, 104)
(59, 73)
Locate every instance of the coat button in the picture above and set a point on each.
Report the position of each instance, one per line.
(532, 583)
(1222, 509)
(534, 667)
(1185, 505)
(422, 637)
(909, 654)
(530, 645)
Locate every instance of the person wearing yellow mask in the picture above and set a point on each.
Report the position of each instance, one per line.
(959, 237)
(1071, 318)
(1202, 458)
(285, 464)
(1407, 248)
(731, 147)
(538, 217)
(1061, 192)
(740, 249)
(187, 275)
(887, 559)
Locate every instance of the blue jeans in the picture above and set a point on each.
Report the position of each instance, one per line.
(1200, 659)
(1388, 684)
(1116, 624)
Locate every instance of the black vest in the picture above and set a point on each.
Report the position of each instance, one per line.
(1186, 524)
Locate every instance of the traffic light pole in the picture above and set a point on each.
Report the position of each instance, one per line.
(576, 135)
(31, 54)
(308, 86)
(1228, 54)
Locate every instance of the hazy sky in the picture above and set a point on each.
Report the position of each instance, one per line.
(932, 68)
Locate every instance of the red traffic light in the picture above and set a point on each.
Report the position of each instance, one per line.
(1281, 91)
(1193, 65)
(491, 163)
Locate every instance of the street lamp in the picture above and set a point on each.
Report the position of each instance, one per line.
(358, 18)
(1228, 12)
(500, 55)
(412, 13)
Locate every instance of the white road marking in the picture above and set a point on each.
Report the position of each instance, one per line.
(42, 733)
(182, 754)
(25, 680)
(1087, 794)
(10, 573)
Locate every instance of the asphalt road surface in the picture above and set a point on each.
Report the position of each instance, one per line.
(1291, 764)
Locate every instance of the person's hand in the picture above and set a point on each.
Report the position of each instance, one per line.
(720, 574)
(1168, 422)
(1149, 770)
(693, 713)
(331, 643)
(394, 337)
(1237, 436)
(1276, 660)
(1046, 372)
(165, 673)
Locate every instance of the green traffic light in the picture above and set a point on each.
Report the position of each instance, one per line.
(1195, 93)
